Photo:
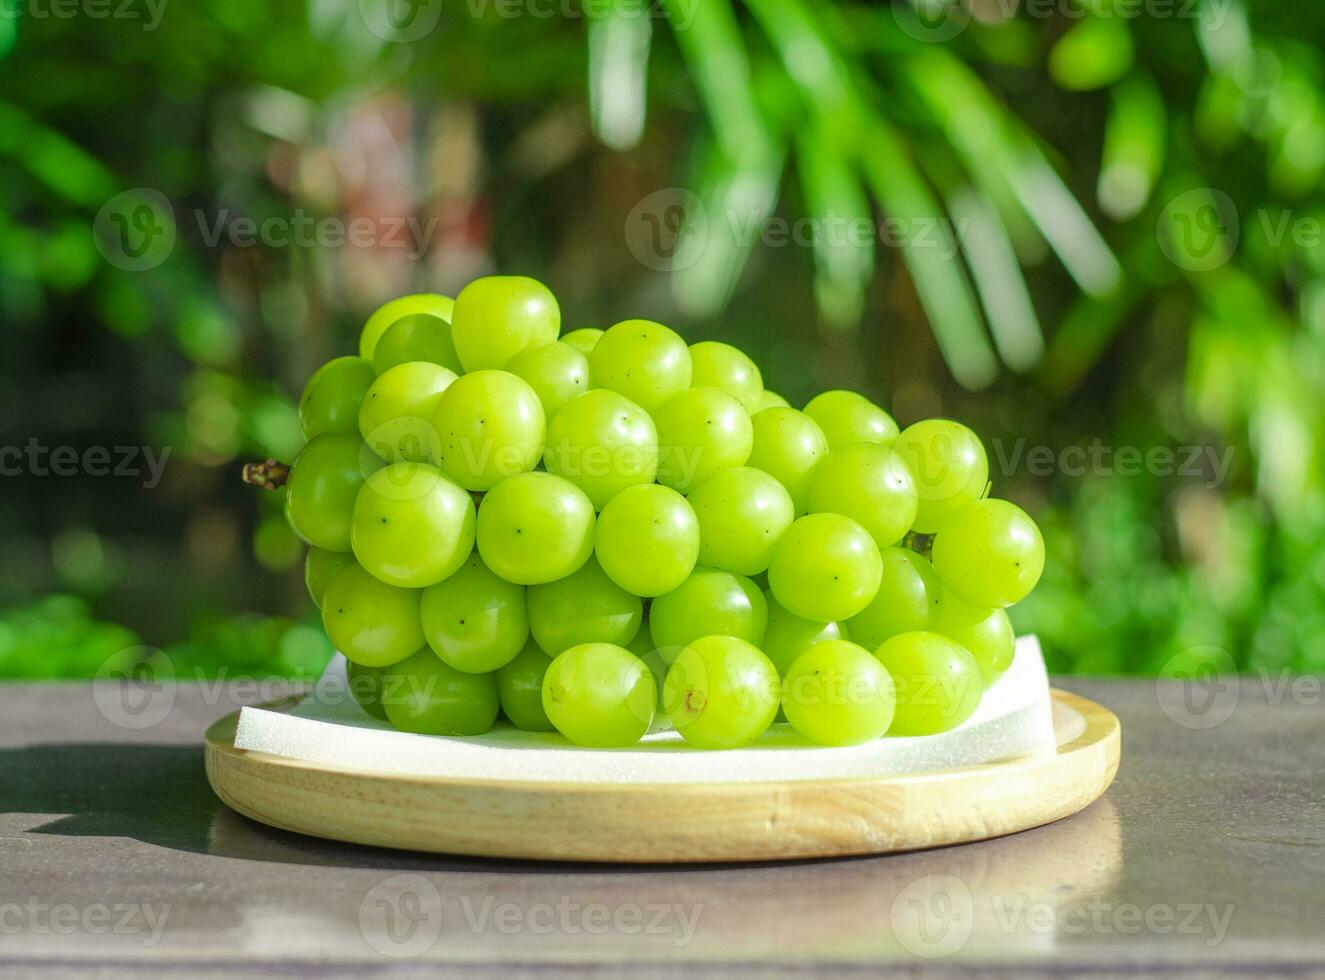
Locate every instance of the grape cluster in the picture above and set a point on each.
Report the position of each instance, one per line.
(584, 533)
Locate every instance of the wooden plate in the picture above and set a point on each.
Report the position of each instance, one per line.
(765, 821)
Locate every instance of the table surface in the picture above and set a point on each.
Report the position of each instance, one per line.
(1206, 857)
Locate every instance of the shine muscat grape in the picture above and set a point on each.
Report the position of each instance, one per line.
(566, 530)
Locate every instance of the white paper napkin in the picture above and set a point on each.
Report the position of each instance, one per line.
(1015, 717)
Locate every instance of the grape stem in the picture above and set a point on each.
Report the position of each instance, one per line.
(270, 474)
(921, 544)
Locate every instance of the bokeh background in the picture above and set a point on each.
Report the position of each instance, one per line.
(1091, 229)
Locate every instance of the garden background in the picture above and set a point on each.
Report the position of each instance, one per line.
(1092, 230)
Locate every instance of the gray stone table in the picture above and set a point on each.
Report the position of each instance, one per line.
(1206, 857)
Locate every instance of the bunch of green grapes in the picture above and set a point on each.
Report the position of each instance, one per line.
(586, 533)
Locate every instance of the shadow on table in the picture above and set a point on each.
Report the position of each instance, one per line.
(158, 794)
(154, 793)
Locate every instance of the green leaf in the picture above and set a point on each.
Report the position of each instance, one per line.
(1134, 145)
(941, 284)
(719, 237)
(926, 243)
(1006, 160)
(998, 279)
(1095, 52)
(844, 230)
(710, 40)
(619, 42)
(57, 162)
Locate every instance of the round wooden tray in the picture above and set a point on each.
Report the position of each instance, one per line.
(764, 821)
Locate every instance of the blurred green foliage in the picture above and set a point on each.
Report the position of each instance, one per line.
(1103, 225)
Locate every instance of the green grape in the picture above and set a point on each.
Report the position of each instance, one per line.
(583, 340)
(535, 528)
(647, 539)
(949, 465)
(425, 696)
(788, 445)
(825, 567)
(910, 598)
(710, 602)
(396, 417)
(602, 442)
(331, 399)
(642, 360)
(412, 527)
(372, 623)
(721, 693)
(722, 366)
(584, 607)
(385, 315)
(599, 695)
(490, 426)
(320, 567)
(475, 621)
(417, 337)
(557, 372)
(700, 432)
(742, 515)
(836, 693)
(520, 689)
(788, 635)
(986, 634)
(989, 553)
(870, 484)
(496, 317)
(938, 682)
(365, 687)
(847, 417)
(771, 399)
(319, 492)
